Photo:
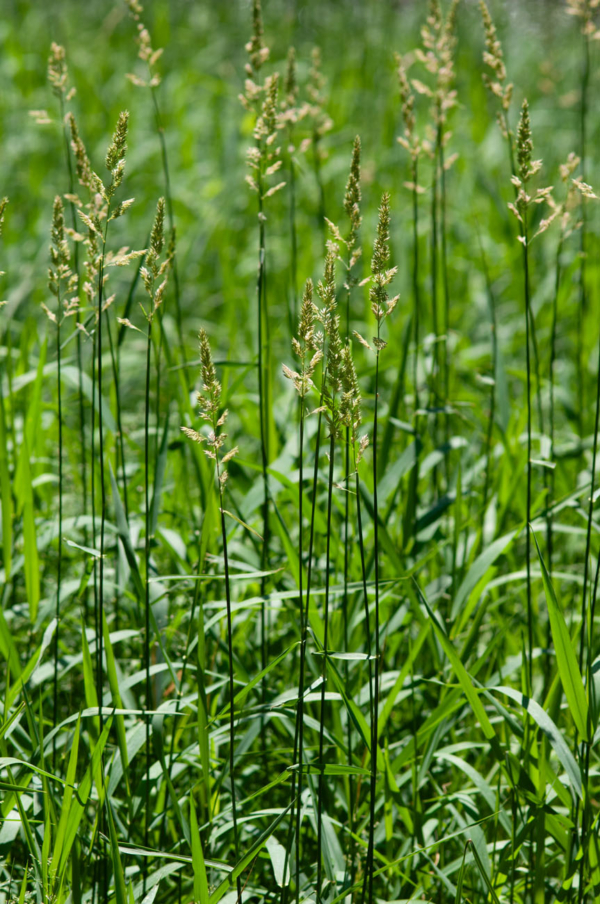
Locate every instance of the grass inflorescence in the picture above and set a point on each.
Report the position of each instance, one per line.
(303, 611)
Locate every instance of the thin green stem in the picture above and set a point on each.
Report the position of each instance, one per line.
(375, 714)
(320, 806)
(60, 530)
(236, 840)
(169, 199)
(529, 464)
(148, 680)
(552, 488)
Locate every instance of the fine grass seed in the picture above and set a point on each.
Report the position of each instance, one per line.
(299, 416)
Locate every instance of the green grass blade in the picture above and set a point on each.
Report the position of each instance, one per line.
(463, 676)
(566, 659)
(201, 895)
(541, 717)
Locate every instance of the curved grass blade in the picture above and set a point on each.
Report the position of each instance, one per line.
(568, 669)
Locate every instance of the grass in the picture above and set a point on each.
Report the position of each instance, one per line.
(306, 613)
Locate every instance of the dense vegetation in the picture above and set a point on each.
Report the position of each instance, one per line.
(302, 609)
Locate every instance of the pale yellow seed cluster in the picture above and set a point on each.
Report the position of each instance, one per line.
(291, 110)
(98, 209)
(350, 414)
(437, 56)
(62, 282)
(305, 346)
(58, 74)
(210, 403)
(527, 168)
(264, 157)
(410, 140)
(317, 102)
(494, 59)
(584, 10)
(154, 273)
(58, 78)
(352, 198)
(145, 52)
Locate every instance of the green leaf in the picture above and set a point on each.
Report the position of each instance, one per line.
(113, 683)
(479, 567)
(329, 769)
(247, 859)
(66, 806)
(5, 495)
(568, 669)
(463, 676)
(484, 874)
(200, 881)
(161, 465)
(123, 529)
(30, 550)
(118, 874)
(241, 695)
(541, 717)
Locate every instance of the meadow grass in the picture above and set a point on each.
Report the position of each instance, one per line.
(299, 587)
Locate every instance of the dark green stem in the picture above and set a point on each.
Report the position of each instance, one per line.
(324, 669)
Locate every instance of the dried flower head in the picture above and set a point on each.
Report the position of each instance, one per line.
(527, 167)
(494, 58)
(524, 144)
(305, 345)
(116, 151)
(210, 400)
(315, 110)
(264, 157)
(350, 415)
(57, 70)
(352, 196)
(82, 163)
(437, 55)
(98, 211)
(382, 275)
(329, 318)
(152, 272)
(291, 82)
(584, 10)
(62, 282)
(256, 49)
(409, 140)
(146, 51)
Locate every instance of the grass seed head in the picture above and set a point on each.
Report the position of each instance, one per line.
(61, 280)
(584, 10)
(291, 81)
(59, 250)
(494, 58)
(210, 401)
(304, 344)
(115, 155)
(57, 69)
(3, 206)
(82, 162)
(382, 275)
(152, 271)
(322, 122)
(256, 49)
(524, 142)
(352, 196)
(409, 140)
(350, 414)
